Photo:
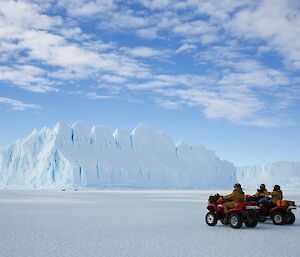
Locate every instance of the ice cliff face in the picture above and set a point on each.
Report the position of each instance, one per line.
(72, 156)
(285, 174)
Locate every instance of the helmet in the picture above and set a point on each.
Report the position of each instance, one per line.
(262, 186)
(237, 185)
(276, 187)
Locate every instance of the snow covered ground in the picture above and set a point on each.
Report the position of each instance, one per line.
(130, 223)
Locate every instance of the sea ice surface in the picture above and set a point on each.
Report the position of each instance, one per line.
(131, 223)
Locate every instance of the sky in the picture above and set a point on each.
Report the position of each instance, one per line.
(225, 74)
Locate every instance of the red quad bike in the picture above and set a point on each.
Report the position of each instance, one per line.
(280, 214)
(243, 212)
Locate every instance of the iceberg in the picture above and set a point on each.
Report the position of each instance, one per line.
(72, 156)
(284, 173)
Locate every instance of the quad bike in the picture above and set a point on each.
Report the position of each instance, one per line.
(243, 212)
(280, 214)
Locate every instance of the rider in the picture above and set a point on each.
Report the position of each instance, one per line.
(276, 195)
(262, 194)
(237, 195)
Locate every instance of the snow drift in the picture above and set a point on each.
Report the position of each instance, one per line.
(71, 156)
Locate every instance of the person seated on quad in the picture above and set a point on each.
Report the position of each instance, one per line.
(276, 195)
(236, 196)
(213, 199)
(262, 194)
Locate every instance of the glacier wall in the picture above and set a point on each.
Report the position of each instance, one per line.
(72, 156)
(286, 174)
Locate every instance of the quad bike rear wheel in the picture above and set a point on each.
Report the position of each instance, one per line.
(211, 218)
(235, 220)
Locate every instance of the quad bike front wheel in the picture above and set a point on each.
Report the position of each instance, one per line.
(278, 218)
(290, 218)
(235, 221)
(251, 219)
(211, 218)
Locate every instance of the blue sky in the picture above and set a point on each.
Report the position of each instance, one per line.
(224, 74)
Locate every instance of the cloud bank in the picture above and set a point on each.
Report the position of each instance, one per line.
(234, 60)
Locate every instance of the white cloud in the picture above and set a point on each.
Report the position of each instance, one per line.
(113, 79)
(274, 22)
(258, 77)
(151, 85)
(145, 52)
(95, 96)
(86, 7)
(238, 96)
(237, 107)
(17, 105)
(25, 15)
(27, 77)
(269, 123)
(149, 33)
(157, 4)
(124, 20)
(37, 42)
(186, 48)
(168, 104)
(233, 81)
(234, 105)
(161, 81)
(202, 30)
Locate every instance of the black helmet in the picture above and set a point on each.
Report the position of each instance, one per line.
(237, 185)
(262, 186)
(276, 187)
